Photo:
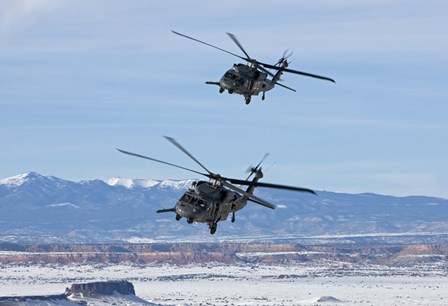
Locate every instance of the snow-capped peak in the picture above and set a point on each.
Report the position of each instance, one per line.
(143, 183)
(131, 183)
(20, 179)
(33, 178)
(176, 184)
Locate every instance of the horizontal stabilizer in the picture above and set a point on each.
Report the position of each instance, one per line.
(166, 210)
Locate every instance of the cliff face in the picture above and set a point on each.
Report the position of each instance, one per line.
(229, 253)
(60, 299)
(179, 253)
(96, 293)
(101, 288)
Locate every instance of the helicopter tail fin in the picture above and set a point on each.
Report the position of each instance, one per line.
(253, 170)
(257, 173)
(283, 65)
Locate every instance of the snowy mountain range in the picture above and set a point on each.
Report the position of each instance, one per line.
(37, 208)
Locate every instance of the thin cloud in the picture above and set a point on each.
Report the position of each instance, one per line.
(16, 15)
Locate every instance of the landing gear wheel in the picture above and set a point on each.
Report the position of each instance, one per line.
(213, 228)
(262, 97)
(221, 90)
(233, 217)
(230, 91)
(247, 100)
(178, 217)
(190, 221)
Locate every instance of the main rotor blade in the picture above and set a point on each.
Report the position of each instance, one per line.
(249, 195)
(309, 75)
(210, 45)
(284, 86)
(174, 142)
(268, 185)
(249, 59)
(161, 161)
(255, 201)
(265, 70)
(235, 40)
(298, 72)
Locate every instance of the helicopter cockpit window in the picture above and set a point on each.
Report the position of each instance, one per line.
(230, 75)
(186, 198)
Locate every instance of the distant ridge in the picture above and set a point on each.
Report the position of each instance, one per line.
(42, 208)
(28, 177)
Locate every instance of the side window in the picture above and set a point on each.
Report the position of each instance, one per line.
(202, 203)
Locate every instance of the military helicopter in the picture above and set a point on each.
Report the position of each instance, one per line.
(212, 201)
(252, 78)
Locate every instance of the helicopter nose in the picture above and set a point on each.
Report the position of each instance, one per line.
(227, 84)
(185, 211)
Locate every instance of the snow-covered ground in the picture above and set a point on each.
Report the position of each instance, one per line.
(217, 284)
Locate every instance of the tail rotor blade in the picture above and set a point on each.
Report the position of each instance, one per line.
(253, 169)
(284, 57)
(262, 160)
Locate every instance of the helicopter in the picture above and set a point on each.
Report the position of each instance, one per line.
(252, 78)
(214, 200)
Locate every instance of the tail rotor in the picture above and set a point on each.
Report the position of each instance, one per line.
(253, 170)
(283, 61)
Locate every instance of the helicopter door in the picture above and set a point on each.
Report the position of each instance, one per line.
(212, 210)
(223, 211)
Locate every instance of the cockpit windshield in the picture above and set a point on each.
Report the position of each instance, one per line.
(230, 75)
(194, 201)
(235, 77)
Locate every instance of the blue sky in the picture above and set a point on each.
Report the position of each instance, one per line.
(79, 78)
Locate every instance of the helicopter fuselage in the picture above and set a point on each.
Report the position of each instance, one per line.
(251, 79)
(245, 80)
(211, 202)
(207, 202)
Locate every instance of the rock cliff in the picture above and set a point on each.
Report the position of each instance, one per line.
(96, 293)
(101, 288)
